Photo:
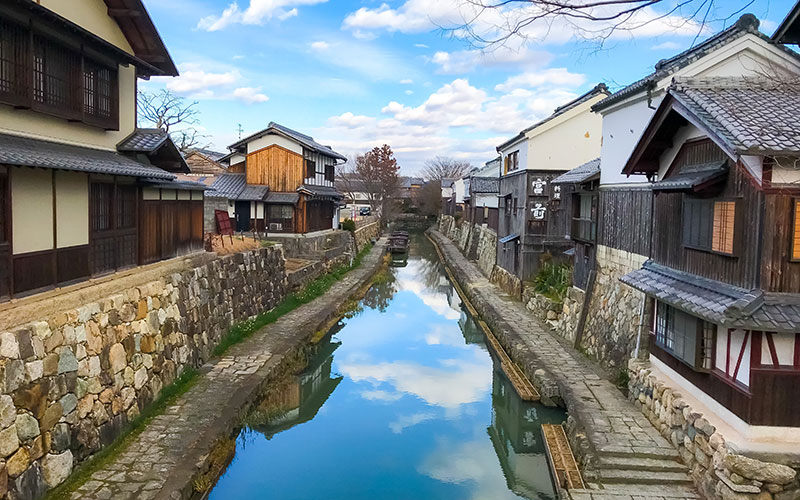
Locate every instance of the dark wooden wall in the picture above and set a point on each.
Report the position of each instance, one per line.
(168, 228)
(625, 219)
(741, 269)
(778, 272)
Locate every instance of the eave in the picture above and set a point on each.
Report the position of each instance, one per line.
(137, 26)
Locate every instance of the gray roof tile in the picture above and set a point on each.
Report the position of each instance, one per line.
(283, 198)
(306, 140)
(37, 153)
(693, 176)
(484, 185)
(253, 192)
(228, 186)
(320, 191)
(579, 174)
(143, 140)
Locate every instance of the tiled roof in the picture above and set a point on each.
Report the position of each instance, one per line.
(283, 198)
(598, 89)
(717, 302)
(484, 185)
(303, 139)
(143, 140)
(229, 186)
(37, 153)
(253, 192)
(407, 182)
(579, 174)
(446, 183)
(320, 191)
(752, 116)
(693, 176)
(211, 155)
(666, 67)
(183, 185)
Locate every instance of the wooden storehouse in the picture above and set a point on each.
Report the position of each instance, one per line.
(83, 192)
(724, 273)
(281, 180)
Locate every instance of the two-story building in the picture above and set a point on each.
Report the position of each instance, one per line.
(724, 270)
(281, 180)
(484, 186)
(532, 220)
(83, 192)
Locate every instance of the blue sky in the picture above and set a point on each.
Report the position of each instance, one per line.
(357, 74)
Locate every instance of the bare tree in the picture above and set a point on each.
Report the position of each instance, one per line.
(489, 23)
(172, 114)
(443, 167)
(430, 198)
(376, 175)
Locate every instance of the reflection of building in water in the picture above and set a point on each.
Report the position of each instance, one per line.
(470, 330)
(517, 438)
(300, 400)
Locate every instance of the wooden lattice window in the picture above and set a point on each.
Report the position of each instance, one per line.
(126, 207)
(13, 63)
(329, 173)
(796, 230)
(722, 235)
(686, 337)
(56, 77)
(311, 169)
(99, 93)
(102, 203)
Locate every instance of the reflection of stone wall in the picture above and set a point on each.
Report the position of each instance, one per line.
(716, 469)
(561, 316)
(613, 319)
(70, 382)
(477, 242)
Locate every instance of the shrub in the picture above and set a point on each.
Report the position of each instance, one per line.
(349, 225)
(553, 280)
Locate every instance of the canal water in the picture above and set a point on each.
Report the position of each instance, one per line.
(402, 400)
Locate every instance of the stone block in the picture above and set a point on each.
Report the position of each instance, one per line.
(56, 468)
(67, 362)
(18, 462)
(117, 358)
(51, 416)
(767, 472)
(27, 426)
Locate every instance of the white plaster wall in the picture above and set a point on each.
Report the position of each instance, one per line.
(92, 15)
(522, 147)
(269, 140)
(568, 141)
(31, 209)
(486, 200)
(169, 194)
(151, 194)
(459, 188)
(72, 209)
(184, 195)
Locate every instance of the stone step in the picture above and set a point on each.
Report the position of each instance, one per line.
(641, 464)
(638, 491)
(639, 452)
(611, 476)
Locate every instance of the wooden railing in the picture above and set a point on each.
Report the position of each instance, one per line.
(584, 229)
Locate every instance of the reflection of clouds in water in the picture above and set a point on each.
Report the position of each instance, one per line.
(448, 334)
(455, 383)
(378, 395)
(436, 301)
(473, 461)
(405, 421)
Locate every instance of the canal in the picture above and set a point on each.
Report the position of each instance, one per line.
(401, 400)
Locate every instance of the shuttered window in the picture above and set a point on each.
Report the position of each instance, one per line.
(102, 206)
(329, 173)
(311, 168)
(709, 225)
(796, 231)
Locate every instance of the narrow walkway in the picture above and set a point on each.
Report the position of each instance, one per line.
(164, 459)
(632, 459)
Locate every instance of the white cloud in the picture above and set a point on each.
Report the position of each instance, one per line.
(552, 76)
(195, 81)
(256, 13)
(378, 395)
(420, 46)
(250, 94)
(409, 92)
(238, 57)
(320, 45)
(406, 81)
(667, 46)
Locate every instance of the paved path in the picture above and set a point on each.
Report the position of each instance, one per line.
(631, 458)
(162, 462)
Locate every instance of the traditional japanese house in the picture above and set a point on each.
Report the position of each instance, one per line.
(625, 202)
(288, 182)
(448, 203)
(578, 191)
(532, 221)
(484, 187)
(724, 273)
(82, 191)
(204, 165)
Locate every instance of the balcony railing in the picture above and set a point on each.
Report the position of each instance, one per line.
(584, 229)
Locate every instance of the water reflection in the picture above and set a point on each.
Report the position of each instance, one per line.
(401, 400)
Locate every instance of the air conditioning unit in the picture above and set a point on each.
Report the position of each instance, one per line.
(275, 226)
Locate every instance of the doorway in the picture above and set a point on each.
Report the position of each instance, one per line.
(242, 215)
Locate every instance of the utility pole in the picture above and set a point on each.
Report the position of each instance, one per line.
(240, 130)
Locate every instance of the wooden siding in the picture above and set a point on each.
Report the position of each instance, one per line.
(778, 272)
(5, 234)
(742, 268)
(276, 167)
(238, 168)
(625, 219)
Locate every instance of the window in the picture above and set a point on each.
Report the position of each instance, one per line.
(507, 205)
(686, 337)
(41, 73)
(709, 225)
(102, 206)
(796, 231)
(329, 173)
(280, 212)
(126, 207)
(311, 169)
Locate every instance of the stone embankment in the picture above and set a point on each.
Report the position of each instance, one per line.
(176, 447)
(72, 380)
(623, 456)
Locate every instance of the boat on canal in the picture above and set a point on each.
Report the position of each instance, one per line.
(398, 242)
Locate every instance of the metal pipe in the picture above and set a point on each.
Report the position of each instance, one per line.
(641, 323)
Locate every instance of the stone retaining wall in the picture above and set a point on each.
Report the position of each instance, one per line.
(717, 470)
(562, 316)
(477, 242)
(612, 321)
(210, 206)
(366, 232)
(70, 382)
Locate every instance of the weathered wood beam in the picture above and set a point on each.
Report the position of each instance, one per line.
(124, 12)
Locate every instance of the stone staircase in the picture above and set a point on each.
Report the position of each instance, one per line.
(655, 473)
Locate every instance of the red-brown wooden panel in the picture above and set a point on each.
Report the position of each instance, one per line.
(34, 271)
